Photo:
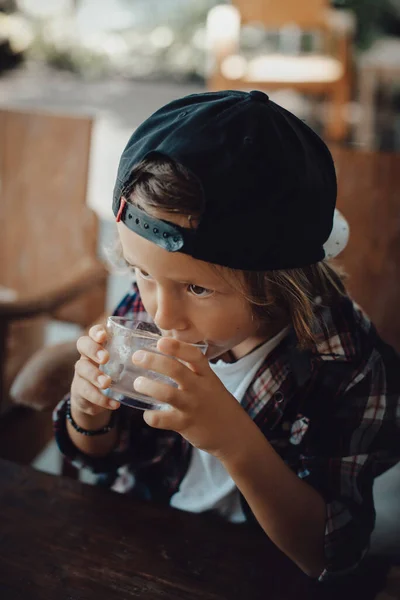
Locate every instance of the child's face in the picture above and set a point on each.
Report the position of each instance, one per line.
(187, 298)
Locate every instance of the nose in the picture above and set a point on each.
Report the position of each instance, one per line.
(169, 315)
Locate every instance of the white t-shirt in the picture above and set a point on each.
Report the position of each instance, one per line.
(207, 485)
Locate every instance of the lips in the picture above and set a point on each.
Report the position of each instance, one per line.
(202, 343)
(178, 339)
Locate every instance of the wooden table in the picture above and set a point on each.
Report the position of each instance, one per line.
(63, 540)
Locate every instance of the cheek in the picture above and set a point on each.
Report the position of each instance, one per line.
(232, 321)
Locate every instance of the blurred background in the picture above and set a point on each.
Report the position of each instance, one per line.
(88, 55)
(78, 76)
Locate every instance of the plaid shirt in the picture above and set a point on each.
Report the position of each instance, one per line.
(332, 413)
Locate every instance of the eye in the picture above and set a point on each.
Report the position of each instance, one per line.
(142, 274)
(199, 291)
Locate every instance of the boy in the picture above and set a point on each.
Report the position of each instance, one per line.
(223, 203)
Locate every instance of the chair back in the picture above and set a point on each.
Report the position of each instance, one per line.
(46, 227)
(48, 234)
(368, 196)
(278, 13)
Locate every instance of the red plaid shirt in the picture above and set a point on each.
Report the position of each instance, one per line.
(332, 414)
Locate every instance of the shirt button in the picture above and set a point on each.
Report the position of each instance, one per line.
(279, 397)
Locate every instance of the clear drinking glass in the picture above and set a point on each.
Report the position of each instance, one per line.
(124, 337)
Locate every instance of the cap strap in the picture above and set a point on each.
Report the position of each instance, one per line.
(167, 235)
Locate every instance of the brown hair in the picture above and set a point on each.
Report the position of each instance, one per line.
(161, 183)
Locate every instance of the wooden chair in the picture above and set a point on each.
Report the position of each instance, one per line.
(327, 73)
(368, 196)
(49, 267)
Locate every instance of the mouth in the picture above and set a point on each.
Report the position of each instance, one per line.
(199, 343)
(205, 344)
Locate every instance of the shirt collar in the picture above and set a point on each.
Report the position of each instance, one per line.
(336, 333)
(289, 369)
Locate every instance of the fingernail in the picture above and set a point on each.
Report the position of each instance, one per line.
(137, 381)
(103, 379)
(101, 354)
(99, 334)
(139, 355)
(113, 403)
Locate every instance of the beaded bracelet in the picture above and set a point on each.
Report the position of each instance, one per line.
(90, 432)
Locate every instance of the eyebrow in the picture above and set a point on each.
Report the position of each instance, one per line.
(214, 286)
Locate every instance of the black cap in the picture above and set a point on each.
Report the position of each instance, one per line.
(268, 180)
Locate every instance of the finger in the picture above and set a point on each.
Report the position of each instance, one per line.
(98, 333)
(158, 419)
(87, 370)
(165, 365)
(88, 398)
(163, 392)
(186, 352)
(89, 348)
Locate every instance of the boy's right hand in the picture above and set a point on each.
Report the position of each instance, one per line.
(86, 397)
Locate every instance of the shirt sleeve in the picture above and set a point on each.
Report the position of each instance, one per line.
(359, 441)
(107, 465)
(146, 462)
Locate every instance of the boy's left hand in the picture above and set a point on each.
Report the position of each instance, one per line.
(202, 409)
